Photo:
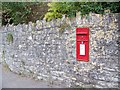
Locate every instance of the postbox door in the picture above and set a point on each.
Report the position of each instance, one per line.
(82, 44)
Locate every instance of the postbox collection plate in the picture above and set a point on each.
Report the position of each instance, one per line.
(82, 49)
(82, 44)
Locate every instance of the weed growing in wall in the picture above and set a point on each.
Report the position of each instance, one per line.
(10, 38)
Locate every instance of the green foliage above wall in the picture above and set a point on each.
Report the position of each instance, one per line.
(13, 12)
(57, 9)
(22, 12)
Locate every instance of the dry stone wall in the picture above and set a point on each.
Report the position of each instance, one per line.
(43, 51)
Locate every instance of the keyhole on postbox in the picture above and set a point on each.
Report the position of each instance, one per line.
(82, 49)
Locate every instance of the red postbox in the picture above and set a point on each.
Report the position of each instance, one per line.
(82, 44)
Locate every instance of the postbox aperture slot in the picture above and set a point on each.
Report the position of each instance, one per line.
(82, 33)
(82, 40)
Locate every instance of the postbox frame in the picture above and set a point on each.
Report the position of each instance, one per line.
(82, 37)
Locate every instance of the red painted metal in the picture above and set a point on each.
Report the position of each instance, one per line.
(82, 39)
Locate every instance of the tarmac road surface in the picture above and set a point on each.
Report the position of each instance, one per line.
(12, 80)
